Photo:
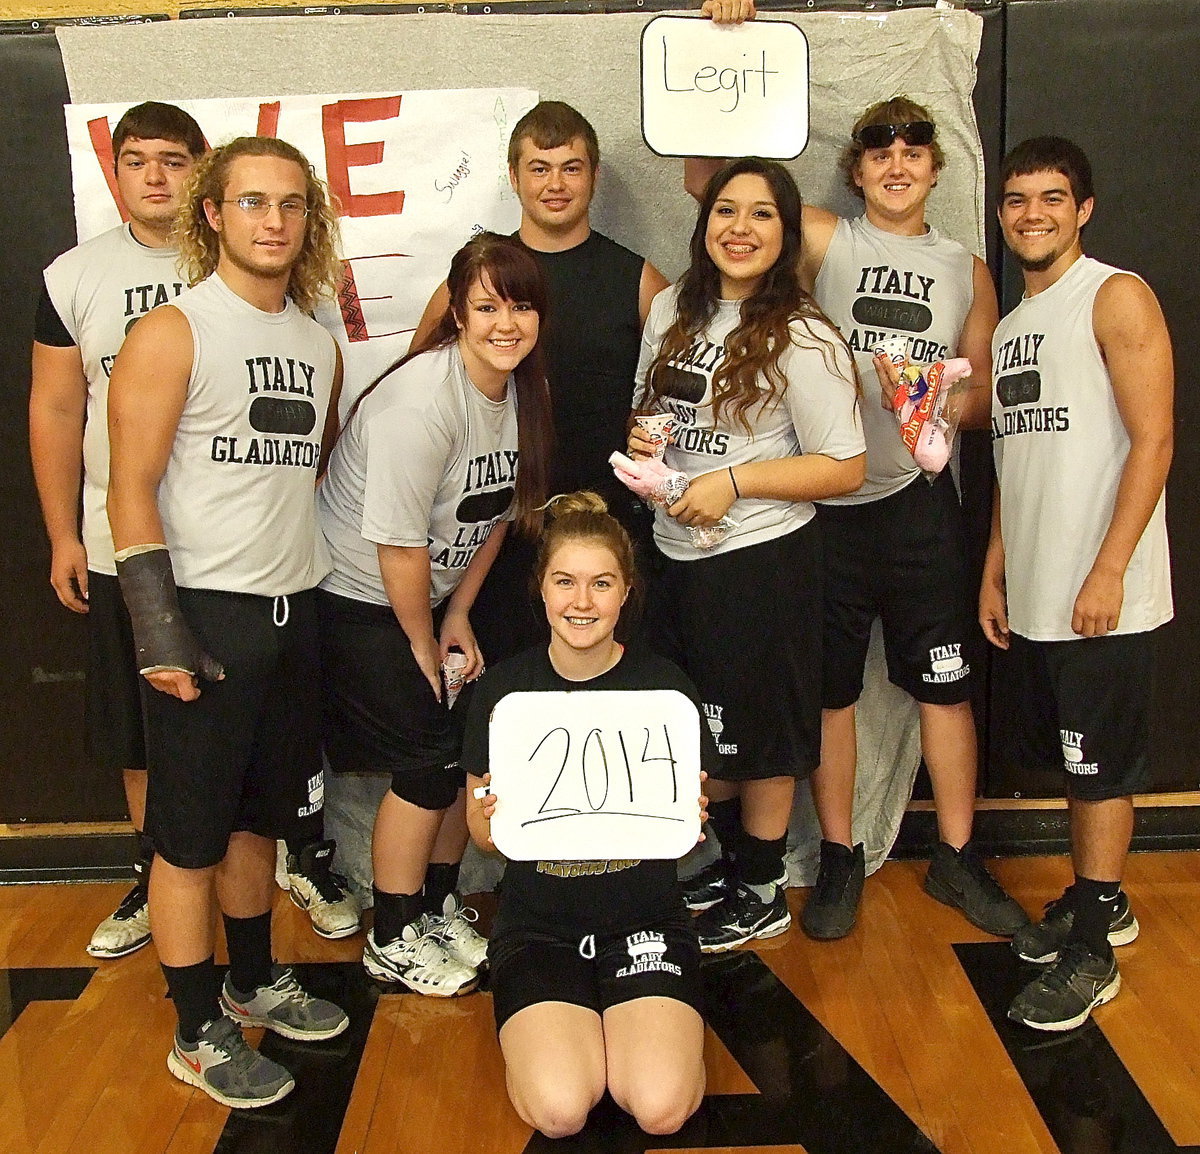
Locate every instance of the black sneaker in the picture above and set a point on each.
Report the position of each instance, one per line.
(832, 907)
(959, 878)
(1041, 941)
(742, 917)
(1063, 996)
(711, 885)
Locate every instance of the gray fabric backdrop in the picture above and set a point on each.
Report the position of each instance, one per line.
(592, 62)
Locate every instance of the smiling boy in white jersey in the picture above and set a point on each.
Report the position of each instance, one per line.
(91, 295)
(221, 410)
(1077, 575)
(888, 273)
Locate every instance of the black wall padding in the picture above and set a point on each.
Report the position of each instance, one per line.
(44, 774)
(1119, 78)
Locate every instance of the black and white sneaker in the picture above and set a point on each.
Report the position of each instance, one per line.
(740, 918)
(703, 890)
(221, 1064)
(333, 910)
(959, 878)
(1063, 996)
(832, 907)
(1041, 941)
(125, 930)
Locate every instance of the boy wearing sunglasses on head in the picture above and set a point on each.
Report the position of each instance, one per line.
(889, 273)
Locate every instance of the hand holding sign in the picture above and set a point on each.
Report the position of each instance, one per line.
(713, 89)
(595, 774)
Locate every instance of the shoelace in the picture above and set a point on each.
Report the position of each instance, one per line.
(130, 904)
(287, 984)
(1058, 977)
(331, 886)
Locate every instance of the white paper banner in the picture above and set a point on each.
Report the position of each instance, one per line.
(595, 774)
(417, 173)
(724, 90)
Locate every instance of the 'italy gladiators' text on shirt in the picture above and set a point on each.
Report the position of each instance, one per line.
(237, 499)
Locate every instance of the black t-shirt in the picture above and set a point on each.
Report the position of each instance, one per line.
(580, 897)
(48, 327)
(592, 344)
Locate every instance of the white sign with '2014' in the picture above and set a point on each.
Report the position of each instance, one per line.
(595, 774)
(724, 90)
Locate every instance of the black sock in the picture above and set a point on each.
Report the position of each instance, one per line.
(726, 819)
(249, 942)
(441, 880)
(392, 913)
(141, 863)
(760, 862)
(194, 991)
(1095, 905)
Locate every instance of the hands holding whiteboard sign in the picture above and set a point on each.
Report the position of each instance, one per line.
(594, 775)
(720, 87)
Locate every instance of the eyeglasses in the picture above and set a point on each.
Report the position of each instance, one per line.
(881, 135)
(257, 207)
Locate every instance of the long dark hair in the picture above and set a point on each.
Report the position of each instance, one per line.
(515, 275)
(763, 332)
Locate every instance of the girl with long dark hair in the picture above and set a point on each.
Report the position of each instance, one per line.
(765, 399)
(436, 457)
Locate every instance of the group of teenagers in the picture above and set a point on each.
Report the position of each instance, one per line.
(287, 584)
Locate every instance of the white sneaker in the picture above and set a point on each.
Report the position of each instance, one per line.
(454, 929)
(123, 931)
(418, 960)
(333, 910)
(285, 1007)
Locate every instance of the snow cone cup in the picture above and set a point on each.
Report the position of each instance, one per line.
(658, 427)
(453, 677)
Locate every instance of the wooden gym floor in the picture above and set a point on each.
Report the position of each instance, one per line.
(892, 1040)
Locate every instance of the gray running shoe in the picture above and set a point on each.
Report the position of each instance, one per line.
(1063, 996)
(285, 1008)
(221, 1064)
(1041, 941)
(959, 878)
(126, 929)
(832, 907)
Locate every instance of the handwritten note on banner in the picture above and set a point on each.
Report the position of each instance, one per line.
(724, 90)
(597, 774)
(416, 175)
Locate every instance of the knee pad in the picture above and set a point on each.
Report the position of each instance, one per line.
(429, 788)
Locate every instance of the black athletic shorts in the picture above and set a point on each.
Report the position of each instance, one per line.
(901, 558)
(745, 626)
(529, 965)
(246, 755)
(113, 701)
(380, 713)
(1085, 706)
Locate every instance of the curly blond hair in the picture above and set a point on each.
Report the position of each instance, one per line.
(318, 270)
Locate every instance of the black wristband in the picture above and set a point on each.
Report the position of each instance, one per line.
(737, 493)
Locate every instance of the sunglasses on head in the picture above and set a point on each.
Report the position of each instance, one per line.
(881, 135)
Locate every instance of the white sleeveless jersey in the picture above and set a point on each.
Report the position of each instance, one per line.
(1060, 446)
(426, 461)
(875, 284)
(99, 289)
(237, 499)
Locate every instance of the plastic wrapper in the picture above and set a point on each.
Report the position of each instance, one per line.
(928, 422)
(453, 668)
(658, 484)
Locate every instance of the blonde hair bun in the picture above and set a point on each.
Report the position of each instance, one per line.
(583, 501)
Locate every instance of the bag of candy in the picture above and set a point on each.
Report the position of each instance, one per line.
(928, 422)
(658, 484)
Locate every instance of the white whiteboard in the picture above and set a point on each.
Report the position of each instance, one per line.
(595, 774)
(724, 90)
